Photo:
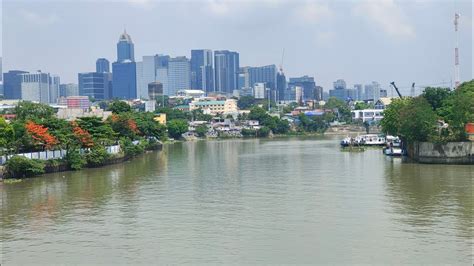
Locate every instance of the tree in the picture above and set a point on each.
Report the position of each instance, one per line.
(436, 96)
(102, 133)
(7, 136)
(458, 109)
(40, 135)
(177, 127)
(343, 110)
(172, 114)
(418, 120)
(201, 130)
(28, 111)
(118, 107)
(19, 166)
(97, 156)
(124, 125)
(391, 121)
(148, 127)
(246, 102)
(363, 106)
(83, 136)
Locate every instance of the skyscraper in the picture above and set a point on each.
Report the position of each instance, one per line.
(266, 74)
(281, 86)
(226, 68)
(307, 84)
(125, 48)
(102, 65)
(202, 72)
(340, 84)
(124, 77)
(179, 74)
(39, 87)
(70, 89)
(360, 92)
(95, 85)
(12, 84)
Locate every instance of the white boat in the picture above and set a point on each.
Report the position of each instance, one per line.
(371, 140)
(393, 151)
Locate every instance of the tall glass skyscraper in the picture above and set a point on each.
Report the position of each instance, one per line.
(202, 72)
(12, 84)
(125, 48)
(263, 74)
(124, 77)
(179, 74)
(308, 87)
(102, 65)
(95, 85)
(40, 87)
(226, 67)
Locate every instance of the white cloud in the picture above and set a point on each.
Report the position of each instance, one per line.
(140, 3)
(312, 12)
(37, 19)
(387, 16)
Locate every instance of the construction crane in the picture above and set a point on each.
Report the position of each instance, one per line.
(395, 86)
(281, 63)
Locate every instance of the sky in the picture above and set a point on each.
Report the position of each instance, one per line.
(359, 41)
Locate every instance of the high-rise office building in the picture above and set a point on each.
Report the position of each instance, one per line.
(202, 71)
(340, 84)
(39, 87)
(226, 69)
(259, 90)
(372, 91)
(95, 85)
(281, 86)
(124, 71)
(125, 48)
(179, 74)
(70, 89)
(266, 74)
(243, 80)
(102, 65)
(308, 86)
(12, 84)
(155, 89)
(360, 91)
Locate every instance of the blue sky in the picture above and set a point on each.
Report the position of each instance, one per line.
(359, 41)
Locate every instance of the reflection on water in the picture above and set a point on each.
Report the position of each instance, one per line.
(244, 201)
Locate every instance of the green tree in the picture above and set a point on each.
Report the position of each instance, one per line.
(436, 96)
(201, 130)
(118, 107)
(148, 127)
(33, 111)
(458, 109)
(177, 127)
(97, 156)
(246, 102)
(343, 109)
(363, 105)
(7, 136)
(102, 133)
(417, 121)
(19, 166)
(391, 121)
(172, 114)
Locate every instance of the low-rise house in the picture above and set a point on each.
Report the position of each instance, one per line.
(74, 113)
(191, 93)
(382, 103)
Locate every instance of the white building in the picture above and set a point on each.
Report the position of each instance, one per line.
(40, 87)
(367, 115)
(228, 106)
(259, 91)
(191, 93)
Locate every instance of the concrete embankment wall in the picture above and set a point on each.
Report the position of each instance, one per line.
(442, 153)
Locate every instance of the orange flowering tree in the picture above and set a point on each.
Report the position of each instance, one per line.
(40, 135)
(124, 125)
(82, 135)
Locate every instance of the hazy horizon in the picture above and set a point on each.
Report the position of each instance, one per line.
(385, 40)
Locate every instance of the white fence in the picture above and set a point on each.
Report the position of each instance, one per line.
(57, 154)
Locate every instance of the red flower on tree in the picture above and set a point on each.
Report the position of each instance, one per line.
(82, 135)
(133, 126)
(40, 135)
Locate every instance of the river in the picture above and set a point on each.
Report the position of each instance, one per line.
(289, 200)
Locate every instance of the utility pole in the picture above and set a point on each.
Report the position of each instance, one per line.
(457, 80)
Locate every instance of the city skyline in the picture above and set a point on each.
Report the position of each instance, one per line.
(328, 51)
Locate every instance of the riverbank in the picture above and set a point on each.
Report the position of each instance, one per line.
(54, 166)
